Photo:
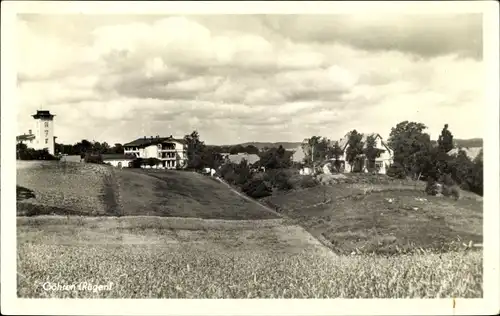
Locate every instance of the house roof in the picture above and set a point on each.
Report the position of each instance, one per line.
(142, 142)
(344, 140)
(250, 158)
(25, 137)
(471, 152)
(117, 157)
(298, 154)
(43, 114)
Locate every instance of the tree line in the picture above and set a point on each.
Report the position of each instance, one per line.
(415, 156)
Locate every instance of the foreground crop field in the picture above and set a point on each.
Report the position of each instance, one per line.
(383, 218)
(150, 257)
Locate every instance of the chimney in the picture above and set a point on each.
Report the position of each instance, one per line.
(171, 136)
(145, 137)
(29, 131)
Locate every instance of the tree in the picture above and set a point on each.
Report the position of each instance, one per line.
(243, 172)
(477, 174)
(462, 169)
(336, 154)
(195, 148)
(117, 149)
(410, 145)
(354, 150)
(372, 152)
(445, 141)
(317, 149)
(276, 158)
(236, 149)
(210, 158)
(251, 149)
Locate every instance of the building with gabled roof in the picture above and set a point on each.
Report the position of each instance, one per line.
(238, 158)
(171, 151)
(382, 163)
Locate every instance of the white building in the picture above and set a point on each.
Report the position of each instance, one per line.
(117, 160)
(170, 151)
(382, 163)
(42, 135)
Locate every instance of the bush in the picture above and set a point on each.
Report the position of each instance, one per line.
(32, 154)
(256, 189)
(396, 171)
(453, 191)
(279, 179)
(432, 188)
(153, 162)
(136, 163)
(228, 173)
(308, 182)
(90, 158)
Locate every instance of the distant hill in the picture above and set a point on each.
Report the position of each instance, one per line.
(261, 145)
(469, 143)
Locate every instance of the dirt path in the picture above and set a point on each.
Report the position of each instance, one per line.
(319, 237)
(268, 209)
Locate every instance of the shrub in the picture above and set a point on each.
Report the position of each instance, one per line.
(256, 189)
(432, 187)
(453, 191)
(308, 182)
(396, 171)
(228, 173)
(136, 163)
(32, 154)
(279, 179)
(90, 158)
(153, 162)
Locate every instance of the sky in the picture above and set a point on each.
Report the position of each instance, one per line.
(239, 78)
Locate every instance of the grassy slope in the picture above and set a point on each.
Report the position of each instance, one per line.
(182, 194)
(64, 188)
(354, 221)
(149, 257)
(98, 190)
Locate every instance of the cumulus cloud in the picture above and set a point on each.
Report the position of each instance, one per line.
(261, 78)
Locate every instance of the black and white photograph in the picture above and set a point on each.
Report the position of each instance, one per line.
(262, 155)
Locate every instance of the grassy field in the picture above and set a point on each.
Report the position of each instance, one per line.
(152, 257)
(63, 188)
(383, 218)
(179, 234)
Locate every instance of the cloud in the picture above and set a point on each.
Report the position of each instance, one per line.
(244, 78)
(425, 35)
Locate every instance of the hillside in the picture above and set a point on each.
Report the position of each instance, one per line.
(470, 143)
(99, 190)
(384, 216)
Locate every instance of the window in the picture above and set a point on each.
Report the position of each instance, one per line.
(46, 124)
(46, 133)
(46, 140)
